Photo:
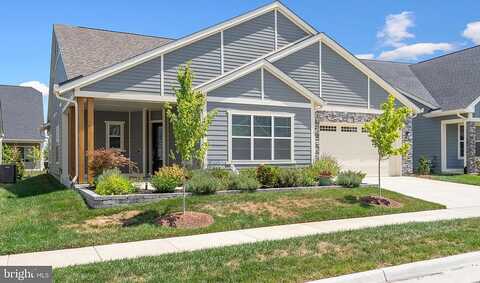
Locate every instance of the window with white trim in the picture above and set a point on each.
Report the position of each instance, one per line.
(256, 137)
(327, 128)
(349, 129)
(114, 134)
(461, 141)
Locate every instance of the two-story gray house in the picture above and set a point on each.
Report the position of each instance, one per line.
(285, 94)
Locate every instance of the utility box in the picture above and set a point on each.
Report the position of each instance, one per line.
(8, 173)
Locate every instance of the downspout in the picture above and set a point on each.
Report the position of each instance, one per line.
(55, 92)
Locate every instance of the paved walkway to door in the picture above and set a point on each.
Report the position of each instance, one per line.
(92, 254)
(453, 195)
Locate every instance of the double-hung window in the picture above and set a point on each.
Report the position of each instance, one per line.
(114, 134)
(261, 137)
(461, 141)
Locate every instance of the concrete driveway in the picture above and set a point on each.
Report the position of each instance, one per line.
(449, 194)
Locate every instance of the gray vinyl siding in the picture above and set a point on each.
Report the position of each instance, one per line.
(248, 86)
(143, 78)
(453, 162)
(377, 95)
(342, 83)
(477, 111)
(218, 132)
(204, 56)
(302, 66)
(287, 31)
(247, 41)
(427, 140)
(136, 142)
(275, 89)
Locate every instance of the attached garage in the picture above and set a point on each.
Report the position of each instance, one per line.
(351, 146)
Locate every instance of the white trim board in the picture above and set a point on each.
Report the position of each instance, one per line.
(127, 96)
(89, 79)
(251, 101)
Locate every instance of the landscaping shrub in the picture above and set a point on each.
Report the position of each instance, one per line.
(251, 172)
(167, 178)
(12, 155)
(267, 175)
(222, 175)
(243, 182)
(306, 178)
(104, 159)
(326, 166)
(289, 177)
(350, 179)
(202, 183)
(424, 166)
(112, 182)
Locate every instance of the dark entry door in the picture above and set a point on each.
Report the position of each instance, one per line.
(157, 146)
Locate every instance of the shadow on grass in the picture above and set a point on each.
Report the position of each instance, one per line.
(147, 217)
(34, 186)
(350, 199)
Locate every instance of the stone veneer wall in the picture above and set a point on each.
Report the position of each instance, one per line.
(470, 147)
(349, 117)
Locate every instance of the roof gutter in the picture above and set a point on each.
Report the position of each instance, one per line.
(75, 104)
(440, 113)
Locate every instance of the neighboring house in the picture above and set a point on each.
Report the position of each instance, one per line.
(21, 121)
(448, 90)
(285, 95)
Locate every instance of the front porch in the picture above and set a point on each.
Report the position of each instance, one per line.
(138, 129)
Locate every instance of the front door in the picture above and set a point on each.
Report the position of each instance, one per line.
(157, 146)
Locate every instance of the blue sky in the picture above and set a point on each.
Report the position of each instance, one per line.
(392, 30)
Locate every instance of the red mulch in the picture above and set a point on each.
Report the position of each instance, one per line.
(381, 201)
(190, 219)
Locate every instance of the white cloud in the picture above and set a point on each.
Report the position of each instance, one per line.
(472, 32)
(365, 56)
(413, 51)
(38, 86)
(396, 29)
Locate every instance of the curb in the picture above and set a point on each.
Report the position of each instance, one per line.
(408, 271)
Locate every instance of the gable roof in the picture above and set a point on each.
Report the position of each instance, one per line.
(172, 45)
(453, 80)
(400, 76)
(449, 82)
(21, 113)
(86, 50)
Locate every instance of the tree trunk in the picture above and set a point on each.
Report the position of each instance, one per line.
(186, 164)
(379, 184)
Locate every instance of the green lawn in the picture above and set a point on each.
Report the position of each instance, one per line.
(40, 214)
(292, 260)
(461, 178)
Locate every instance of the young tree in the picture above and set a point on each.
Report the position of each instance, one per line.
(189, 121)
(36, 155)
(385, 130)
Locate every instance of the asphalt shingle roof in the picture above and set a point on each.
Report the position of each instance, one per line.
(401, 77)
(452, 79)
(86, 50)
(21, 112)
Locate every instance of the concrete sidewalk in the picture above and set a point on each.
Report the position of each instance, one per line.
(67, 257)
(462, 268)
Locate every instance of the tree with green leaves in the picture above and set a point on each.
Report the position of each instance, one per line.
(189, 119)
(35, 155)
(385, 129)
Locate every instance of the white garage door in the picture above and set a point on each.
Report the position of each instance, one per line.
(351, 146)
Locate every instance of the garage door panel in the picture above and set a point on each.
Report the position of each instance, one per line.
(353, 149)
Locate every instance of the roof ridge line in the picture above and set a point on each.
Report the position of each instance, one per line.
(448, 54)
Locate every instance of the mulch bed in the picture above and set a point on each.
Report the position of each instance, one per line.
(381, 201)
(190, 220)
